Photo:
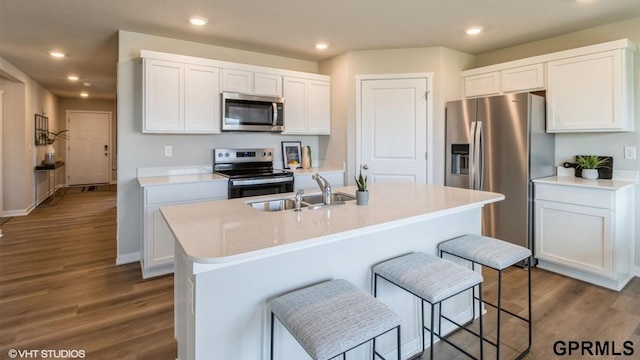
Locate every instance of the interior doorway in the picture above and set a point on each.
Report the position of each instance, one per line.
(393, 119)
(89, 147)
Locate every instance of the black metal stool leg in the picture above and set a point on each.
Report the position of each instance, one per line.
(499, 311)
(481, 329)
(272, 326)
(431, 331)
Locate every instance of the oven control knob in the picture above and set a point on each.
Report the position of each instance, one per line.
(269, 153)
(226, 154)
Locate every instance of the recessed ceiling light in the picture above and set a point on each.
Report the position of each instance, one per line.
(474, 30)
(84, 94)
(73, 78)
(322, 46)
(57, 54)
(198, 20)
(86, 83)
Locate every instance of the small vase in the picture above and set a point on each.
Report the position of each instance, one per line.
(50, 155)
(362, 197)
(590, 174)
(306, 158)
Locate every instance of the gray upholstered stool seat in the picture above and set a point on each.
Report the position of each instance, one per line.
(498, 255)
(433, 280)
(428, 276)
(494, 253)
(333, 317)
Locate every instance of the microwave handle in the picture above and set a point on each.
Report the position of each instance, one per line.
(275, 113)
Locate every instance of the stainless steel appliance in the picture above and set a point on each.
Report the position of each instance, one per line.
(250, 172)
(499, 144)
(242, 112)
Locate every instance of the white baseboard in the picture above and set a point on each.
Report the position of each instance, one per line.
(21, 212)
(122, 259)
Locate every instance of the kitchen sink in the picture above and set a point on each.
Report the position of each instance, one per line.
(310, 201)
(335, 198)
(275, 205)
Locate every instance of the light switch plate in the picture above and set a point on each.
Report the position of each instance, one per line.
(630, 152)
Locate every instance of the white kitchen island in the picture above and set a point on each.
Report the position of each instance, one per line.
(232, 259)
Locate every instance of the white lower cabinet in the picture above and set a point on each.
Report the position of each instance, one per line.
(158, 246)
(585, 233)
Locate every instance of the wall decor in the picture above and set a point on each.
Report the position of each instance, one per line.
(291, 154)
(41, 130)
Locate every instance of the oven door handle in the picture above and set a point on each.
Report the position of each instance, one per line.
(241, 182)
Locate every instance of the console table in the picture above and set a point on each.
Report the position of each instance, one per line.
(48, 180)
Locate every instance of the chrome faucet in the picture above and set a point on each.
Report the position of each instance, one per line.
(299, 199)
(325, 187)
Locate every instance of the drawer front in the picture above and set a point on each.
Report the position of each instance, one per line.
(575, 195)
(167, 194)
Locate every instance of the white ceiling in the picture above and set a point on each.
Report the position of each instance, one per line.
(87, 29)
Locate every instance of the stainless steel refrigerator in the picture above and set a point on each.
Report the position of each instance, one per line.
(499, 144)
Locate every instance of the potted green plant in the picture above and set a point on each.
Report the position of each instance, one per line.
(362, 194)
(589, 165)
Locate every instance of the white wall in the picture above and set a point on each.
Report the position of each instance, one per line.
(23, 98)
(147, 150)
(611, 144)
(444, 63)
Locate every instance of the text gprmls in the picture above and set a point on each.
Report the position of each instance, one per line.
(597, 348)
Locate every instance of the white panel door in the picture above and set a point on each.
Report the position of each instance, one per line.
(89, 151)
(394, 130)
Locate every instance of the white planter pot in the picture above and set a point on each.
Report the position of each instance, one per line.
(362, 197)
(590, 174)
(50, 155)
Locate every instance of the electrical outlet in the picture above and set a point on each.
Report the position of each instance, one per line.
(630, 152)
(168, 150)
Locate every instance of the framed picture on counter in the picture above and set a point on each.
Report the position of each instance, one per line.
(291, 154)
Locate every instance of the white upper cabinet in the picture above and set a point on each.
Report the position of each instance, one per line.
(182, 94)
(482, 84)
(237, 81)
(202, 99)
(267, 84)
(163, 96)
(249, 82)
(307, 106)
(523, 78)
(180, 98)
(511, 80)
(588, 89)
(590, 93)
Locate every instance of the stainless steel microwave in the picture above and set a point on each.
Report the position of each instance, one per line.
(242, 112)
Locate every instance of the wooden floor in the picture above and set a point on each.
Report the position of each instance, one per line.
(61, 290)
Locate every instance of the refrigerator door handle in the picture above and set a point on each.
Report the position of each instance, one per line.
(479, 156)
(472, 155)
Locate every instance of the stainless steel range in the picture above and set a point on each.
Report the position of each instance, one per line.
(250, 172)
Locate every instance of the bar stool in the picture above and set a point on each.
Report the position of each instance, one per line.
(433, 280)
(333, 317)
(498, 255)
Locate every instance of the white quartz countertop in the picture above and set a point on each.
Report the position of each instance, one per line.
(224, 231)
(179, 179)
(612, 185)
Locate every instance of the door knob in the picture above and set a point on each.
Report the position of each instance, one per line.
(365, 166)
